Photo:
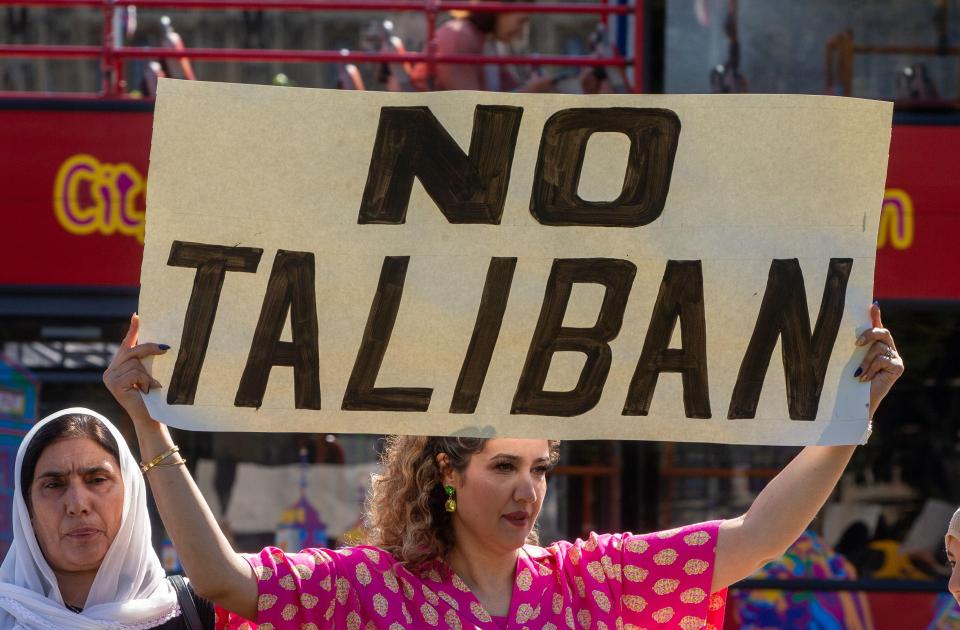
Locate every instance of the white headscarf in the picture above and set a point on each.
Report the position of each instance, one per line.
(953, 529)
(130, 589)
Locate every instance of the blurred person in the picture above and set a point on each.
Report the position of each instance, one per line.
(947, 606)
(477, 33)
(808, 558)
(81, 555)
(952, 542)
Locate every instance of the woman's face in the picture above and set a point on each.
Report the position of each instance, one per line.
(500, 493)
(76, 503)
(953, 556)
(509, 26)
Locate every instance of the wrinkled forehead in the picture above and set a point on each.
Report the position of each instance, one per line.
(75, 454)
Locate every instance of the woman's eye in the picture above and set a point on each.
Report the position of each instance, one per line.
(541, 470)
(50, 485)
(504, 466)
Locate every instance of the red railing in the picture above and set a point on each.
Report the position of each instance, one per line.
(112, 56)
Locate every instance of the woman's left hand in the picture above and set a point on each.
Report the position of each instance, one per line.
(882, 365)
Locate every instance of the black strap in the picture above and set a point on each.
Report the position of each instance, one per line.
(188, 607)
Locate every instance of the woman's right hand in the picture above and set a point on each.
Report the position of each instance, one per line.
(126, 377)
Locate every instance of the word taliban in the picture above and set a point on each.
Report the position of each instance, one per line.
(470, 188)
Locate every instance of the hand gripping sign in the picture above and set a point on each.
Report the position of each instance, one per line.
(639, 267)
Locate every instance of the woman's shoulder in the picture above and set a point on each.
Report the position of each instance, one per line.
(669, 541)
(367, 555)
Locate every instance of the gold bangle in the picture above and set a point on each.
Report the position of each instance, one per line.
(159, 458)
(179, 462)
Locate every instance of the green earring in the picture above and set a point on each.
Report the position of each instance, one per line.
(451, 504)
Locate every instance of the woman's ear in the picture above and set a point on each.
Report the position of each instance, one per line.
(448, 476)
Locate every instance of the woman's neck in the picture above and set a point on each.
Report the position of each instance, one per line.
(75, 586)
(489, 574)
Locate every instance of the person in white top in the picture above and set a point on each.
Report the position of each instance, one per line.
(81, 555)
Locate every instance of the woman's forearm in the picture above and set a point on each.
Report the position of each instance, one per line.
(779, 514)
(787, 505)
(215, 570)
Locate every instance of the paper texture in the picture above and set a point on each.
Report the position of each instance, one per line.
(288, 173)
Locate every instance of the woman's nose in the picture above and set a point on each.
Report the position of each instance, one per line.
(76, 499)
(526, 490)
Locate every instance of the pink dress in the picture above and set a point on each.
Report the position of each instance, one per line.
(607, 582)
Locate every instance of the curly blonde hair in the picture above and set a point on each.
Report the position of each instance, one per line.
(405, 509)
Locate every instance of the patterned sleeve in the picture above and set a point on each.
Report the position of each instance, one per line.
(657, 578)
(298, 589)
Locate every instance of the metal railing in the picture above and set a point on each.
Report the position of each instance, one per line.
(112, 56)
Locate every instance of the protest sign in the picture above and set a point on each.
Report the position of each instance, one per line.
(628, 267)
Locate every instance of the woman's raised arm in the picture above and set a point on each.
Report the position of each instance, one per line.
(215, 570)
(785, 507)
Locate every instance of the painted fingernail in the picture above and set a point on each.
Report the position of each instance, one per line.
(858, 372)
(163, 346)
(876, 302)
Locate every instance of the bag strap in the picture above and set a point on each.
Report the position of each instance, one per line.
(188, 607)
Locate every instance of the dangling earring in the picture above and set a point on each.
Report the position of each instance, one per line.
(451, 504)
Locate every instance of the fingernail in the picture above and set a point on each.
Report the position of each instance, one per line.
(858, 372)
(861, 341)
(876, 302)
(163, 346)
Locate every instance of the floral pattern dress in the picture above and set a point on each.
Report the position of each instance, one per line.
(606, 582)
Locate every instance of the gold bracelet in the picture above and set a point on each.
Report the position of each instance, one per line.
(159, 458)
(180, 462)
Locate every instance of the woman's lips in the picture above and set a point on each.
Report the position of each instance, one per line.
(517, 519)
(82, 533)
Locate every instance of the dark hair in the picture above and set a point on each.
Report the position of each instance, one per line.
(405, 510)
(485, 21)
(75, 425)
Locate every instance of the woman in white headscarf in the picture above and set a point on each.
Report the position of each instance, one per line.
(81, 555)
(952, 540)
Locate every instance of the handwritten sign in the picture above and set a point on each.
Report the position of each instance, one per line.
(631, 267)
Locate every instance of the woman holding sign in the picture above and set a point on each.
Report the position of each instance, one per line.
(453, 540)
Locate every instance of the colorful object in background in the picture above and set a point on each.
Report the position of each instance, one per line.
(947, 615)
(18, 412)
(91, 196)
(169, 557)
(300, 524)
(896, 220)
(896, 565)
(357, 533)
(808, 558)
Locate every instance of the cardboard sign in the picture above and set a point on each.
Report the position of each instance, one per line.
(627, 267)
